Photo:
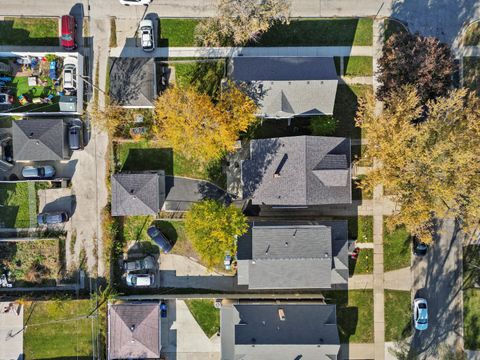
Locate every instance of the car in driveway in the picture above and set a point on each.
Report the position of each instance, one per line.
(158, 238)
(38, 172)
(419, 248)
(75, 134)
(147, 263)
(140, 280)
(146, 35)
(69, 27)
(420, 314)
(70, 75)
(47, 218)
(135, 2)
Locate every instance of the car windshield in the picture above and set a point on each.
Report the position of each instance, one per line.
(422, 306)
(67, 37)
(422, 321)
(41, 172)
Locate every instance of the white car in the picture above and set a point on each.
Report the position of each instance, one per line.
(135, 2)
(70, 74)
(146, 35)
(420, 314)
(140, 280)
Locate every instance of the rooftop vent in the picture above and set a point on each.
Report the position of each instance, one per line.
(281, 314)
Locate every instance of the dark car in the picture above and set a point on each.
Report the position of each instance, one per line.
(159, 239)
(75, 134)
(52, 218)
(68, 32)
(163, 309)
(419, 248)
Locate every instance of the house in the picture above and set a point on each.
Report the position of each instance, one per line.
(138, 193)
(134, 331)
(40, 140)
(281, 331)
(293, 256)
(297, 171)
(286, 87)
(133, 82)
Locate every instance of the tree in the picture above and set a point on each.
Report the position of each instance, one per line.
(432, 167)
(198, 128)
(240, 21)
(424, 62)
(212, 227)
(110, 118)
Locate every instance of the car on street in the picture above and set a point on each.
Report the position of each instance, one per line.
(147, 263)
(419, 248)
(140, 280)
(38, 172)
(158, 238)
(420, 314)
(47, 218)
(135, 2)
(69, 27)
(75, 134)
(146, 35)
(69, 75)
(163, 309)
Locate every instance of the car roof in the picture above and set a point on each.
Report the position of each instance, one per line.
(143, 279)
(146, 22)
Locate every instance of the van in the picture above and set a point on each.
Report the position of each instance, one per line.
(68, 32)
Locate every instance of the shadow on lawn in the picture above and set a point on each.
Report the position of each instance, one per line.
(12, 35)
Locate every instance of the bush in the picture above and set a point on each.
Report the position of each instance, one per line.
(323, 125)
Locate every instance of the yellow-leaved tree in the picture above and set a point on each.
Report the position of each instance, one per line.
(429, 160)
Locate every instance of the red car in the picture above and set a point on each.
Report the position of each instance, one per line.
(68, 32)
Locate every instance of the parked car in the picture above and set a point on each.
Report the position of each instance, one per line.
(69, 27)
(52, 218)
(69, 76)
(419, 248)
(140, 280)
(38, 172)
(147, 263)
(75, 134)
(163, 309)
(135, 2)
(146, 35)
(159, 239)
(420, 314)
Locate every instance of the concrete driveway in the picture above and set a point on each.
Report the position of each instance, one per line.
(182, 337)
(11, 323)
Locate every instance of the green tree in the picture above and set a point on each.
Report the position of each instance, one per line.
(213, 227)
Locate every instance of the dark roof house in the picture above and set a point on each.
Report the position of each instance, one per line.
(285, 87)
(133, 82)
(290, 331)
(134, 331)
(138, 193)
(40, 140)
(297, 171)
(293, 256)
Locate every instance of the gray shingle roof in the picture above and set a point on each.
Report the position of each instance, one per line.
(254, 331)
(134, 331)
(137, 193)
(132, 81)
(40, 139)
(289, 86)
(293, 256)
(298, 171)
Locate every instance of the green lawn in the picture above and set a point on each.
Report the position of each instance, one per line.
(357, 192)
(206, 315)
(346, 103)
(205, 77)
(150, 155)
(398, 315)
(177, 32)
(391, 27)
(472, 35)
(320, 32)
(363, 264)
(29, 31)
(396, 248)
(14, 209)
(471, 297)
(471, 73)
(66, 339)
(360, 228)
(354, 314)
(358, 66)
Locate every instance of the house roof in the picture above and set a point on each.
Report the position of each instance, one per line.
(293, 256)
(133, 82)
(137, 193)
(284, 87)
(298, 171)
(39, 139)
(134, 331)
(255, 331)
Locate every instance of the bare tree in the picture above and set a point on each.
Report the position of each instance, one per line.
(239, 21)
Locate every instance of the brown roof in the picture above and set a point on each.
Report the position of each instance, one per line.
(134, 331)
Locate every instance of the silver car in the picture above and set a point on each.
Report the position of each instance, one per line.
(146, 263)
(140, 280)
(146, 35)
(38, 172)
(69, 77)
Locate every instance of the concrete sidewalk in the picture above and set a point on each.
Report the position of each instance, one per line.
(356, 351)
(400, 279)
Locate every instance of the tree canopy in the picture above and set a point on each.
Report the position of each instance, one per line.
(240, 21)
(432, 167)
(422, 61)
(197, 127)
(212, 228)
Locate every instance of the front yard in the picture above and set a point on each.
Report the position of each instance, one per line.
(355, 65)
(206, 315)
(398, 315)
(54, 330)
(363, 264)
(360, 228)
(29, 31)
(471, 297)
(14, 205)
(396, 248)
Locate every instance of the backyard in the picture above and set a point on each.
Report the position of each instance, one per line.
(396, 248)
(206, 315)
(204, 75)
(57, 324)
(398, 315)
(14, 205)
(29, 31)
(471, 297)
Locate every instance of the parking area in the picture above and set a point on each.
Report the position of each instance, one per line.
(11, 334)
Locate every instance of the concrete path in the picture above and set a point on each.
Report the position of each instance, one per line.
(363, 245)
(472, 354)
(356, 351)
(398, 279)
(364, 80)
(360, 282)
(11, 323)
(469, 51)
